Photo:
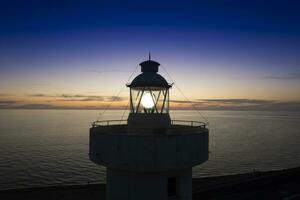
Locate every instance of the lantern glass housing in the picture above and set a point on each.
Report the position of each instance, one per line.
(149, 91)
(149, 100)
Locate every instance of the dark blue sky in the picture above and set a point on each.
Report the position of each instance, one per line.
(35, 16)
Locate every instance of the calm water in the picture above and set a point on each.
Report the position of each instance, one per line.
(50, 147)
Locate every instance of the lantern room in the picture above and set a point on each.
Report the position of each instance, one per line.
(149, 100)
(149, 91)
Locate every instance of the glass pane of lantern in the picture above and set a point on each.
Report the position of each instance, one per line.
(150, 100)
(135, 96)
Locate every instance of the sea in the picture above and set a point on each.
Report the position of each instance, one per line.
(50, 147)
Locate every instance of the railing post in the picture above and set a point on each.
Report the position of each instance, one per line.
(192, 123)
(107, 123)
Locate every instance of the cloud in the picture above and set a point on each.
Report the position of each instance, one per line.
(292, 76)
(35, 106)
(79, 97)
(281, 106)
(7, 102)
(181, 101)
(237, 101)
(204, 104)
(38, 95)
(48, 106)
(238, 104)
(223, 101)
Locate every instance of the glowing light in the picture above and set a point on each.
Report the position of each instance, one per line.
(147, 100)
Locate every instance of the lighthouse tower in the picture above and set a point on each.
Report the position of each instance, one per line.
(149, 156)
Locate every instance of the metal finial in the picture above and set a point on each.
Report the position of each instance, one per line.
(149, 55)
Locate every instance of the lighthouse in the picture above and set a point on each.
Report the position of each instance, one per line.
(149, 155)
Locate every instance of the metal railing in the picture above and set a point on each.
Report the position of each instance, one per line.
(173, 122)
(189, 123)
(109, 123)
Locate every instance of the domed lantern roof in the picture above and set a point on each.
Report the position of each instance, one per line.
(149, 77)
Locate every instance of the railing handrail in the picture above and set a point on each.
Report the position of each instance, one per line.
(107, 122)
(191, 123)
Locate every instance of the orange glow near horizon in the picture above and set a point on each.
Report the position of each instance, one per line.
(210, 89)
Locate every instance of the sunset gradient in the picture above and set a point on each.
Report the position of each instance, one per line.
(80, 54)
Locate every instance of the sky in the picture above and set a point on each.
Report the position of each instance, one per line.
(80, 54)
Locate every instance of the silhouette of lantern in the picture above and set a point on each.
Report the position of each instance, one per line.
(149, 91)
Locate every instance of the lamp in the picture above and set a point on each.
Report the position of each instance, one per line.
(147, 100)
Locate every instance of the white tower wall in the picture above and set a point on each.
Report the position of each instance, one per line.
(140, 166)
